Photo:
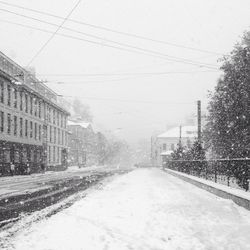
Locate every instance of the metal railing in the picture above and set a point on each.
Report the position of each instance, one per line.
(230, 172)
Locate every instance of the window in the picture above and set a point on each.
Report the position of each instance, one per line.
(16, 156)
(26, 103)
(15, 125)
(172, 147)
(15, 98)
(164, 146)
(39, 132)
(57, 117)
(35, 130)
(24, 156)
(26, 128)
(31, 155)
(1, 121)
(8, 123)
(49, 114)
(61, 120)
(58, 136)
(21, 127)
(35, 107)
(31, 105)
(1, 92)
(31, 129)
(39, 109)
(54, 116)
(54, 135)
(21, 101)
(49, 155)
(62, 137)
(58, 154)
(50, 133)
(9, 95)
(6, 156)
(54, 154)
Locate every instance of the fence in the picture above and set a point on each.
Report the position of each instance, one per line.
(231, 172)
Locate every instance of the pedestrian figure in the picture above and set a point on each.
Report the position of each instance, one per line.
(12, 168)
(28, 169)
(43, 167)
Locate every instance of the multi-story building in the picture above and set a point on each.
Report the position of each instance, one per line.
(32, 125)
(83, 143)
(77, 147)
(164, 144)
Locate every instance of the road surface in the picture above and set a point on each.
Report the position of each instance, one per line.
(13, 185)
(143, 209)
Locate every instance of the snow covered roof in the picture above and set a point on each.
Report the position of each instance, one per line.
(186, 131)
(166, 153)
(79, 123)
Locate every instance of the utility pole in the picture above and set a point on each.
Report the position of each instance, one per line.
(180, 135)
(199, 120)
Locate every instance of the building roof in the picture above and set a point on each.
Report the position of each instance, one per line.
(79, 123)
(167, 153)
(186, 131)
(12, 71)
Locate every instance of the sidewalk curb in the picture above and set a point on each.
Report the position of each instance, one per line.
(221, 193)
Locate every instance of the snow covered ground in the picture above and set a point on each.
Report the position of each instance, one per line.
(144, 209)
(18, 184)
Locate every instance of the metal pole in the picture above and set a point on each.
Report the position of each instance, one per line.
(180, 135)
(199, 120)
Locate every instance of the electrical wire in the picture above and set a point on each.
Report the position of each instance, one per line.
(53, 34)
(103, 39)
(112, 30)
(128, 101)
(147, 52)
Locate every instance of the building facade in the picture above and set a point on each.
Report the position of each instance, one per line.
(77, 144)
(33, 127)
(164, 144)
(86, 148)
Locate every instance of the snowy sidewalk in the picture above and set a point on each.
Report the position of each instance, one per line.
(144, 209)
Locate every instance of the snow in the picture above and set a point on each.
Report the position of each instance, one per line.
(186, 132)
(19, 184)
(231, 190)
(80, 123)
(143, 209)
(167, 153)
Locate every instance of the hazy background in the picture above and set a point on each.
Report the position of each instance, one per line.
(129, 104)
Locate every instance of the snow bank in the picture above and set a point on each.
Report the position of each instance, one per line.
(144, 209)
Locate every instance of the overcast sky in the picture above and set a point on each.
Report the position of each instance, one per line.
(136, 103)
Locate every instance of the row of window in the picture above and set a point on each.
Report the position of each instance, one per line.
(30, 104)
(164, 146)
(56, 135)
(20, 100)
(56, 117)
(20, 127)
(24, 156)
(54, 154)
(172, 145)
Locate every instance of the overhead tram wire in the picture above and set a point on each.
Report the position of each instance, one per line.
(53, 34)
(108, 40)
(116, 80)
(127, 100)
(112, 30)
(130, 74)
(85, 40)
(135, 48)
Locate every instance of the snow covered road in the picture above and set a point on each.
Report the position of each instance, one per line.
(144, 209)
